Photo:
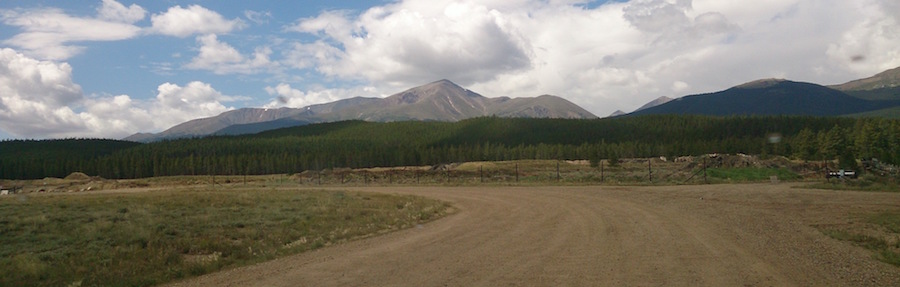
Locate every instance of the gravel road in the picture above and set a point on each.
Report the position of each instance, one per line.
(713, 235)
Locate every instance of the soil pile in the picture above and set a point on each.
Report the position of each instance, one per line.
(78, 176)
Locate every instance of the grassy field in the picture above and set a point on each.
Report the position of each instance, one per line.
(751, 174)
(146, 238)
(878, 232)
(864, 183)
(542, 172)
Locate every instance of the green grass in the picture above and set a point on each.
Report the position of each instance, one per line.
(885, 251)
(864, 183)
(865, 241)
(141, 239)
(888, 220)
(751, 173)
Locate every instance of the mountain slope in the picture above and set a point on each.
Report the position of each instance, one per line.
(616, 114)
(769, 97)
(206, 126)
(437, 101)
(884, 86)
(544, 106)
(656, 102)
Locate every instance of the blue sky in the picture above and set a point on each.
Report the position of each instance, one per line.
(111, 68)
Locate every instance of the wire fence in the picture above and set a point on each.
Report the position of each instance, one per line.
(627, 171)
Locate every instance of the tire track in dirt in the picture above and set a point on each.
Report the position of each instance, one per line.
(595, 236)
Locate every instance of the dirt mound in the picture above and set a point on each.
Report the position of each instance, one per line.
(79, 176)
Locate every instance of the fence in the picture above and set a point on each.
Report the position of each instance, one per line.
(626, 171)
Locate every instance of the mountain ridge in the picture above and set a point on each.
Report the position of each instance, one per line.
(887, 79)
(884, 86)
(441, 100)
(769, 97)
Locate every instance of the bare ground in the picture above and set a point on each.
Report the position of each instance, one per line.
(714, 235)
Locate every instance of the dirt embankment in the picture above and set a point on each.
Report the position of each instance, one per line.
(716, 235)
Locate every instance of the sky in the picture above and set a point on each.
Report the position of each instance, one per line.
(112, 68)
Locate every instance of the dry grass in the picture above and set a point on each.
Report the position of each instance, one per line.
(878, 232)
(147, 238)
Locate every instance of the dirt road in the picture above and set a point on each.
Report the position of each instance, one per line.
(716, 235)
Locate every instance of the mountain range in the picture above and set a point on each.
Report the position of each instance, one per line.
(437, 101)
(878, 95)
(443, 100)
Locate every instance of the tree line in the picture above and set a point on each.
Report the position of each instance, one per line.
(359, 144)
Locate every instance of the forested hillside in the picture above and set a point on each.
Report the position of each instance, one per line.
(770, 97)
(38, 159)
(356, 144)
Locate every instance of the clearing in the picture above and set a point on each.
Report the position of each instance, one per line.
(711, 235)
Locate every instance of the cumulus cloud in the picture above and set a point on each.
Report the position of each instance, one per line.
(38, 99)
(602, 56)
(616, 55)
(50, 33)
(115, 11)
(286, 96)
(34, 96)
(872, 42)
(195, 19)
(196, 99)
(401, 43)
(222, 58)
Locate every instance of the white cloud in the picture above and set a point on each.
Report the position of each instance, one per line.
(115, 11)
(195, 19)
(38, 99)
(222, 58)
(402, 44)
(176, 104)
(34, 96)
(617, 55)
(258, 17)
(872, 44)
(286, 96)
(49, 33)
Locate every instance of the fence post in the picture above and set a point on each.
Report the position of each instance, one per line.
(601, 171)
(650, 169)
(704, 171)
(481, 171)
(557, 170)
(517, 172)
